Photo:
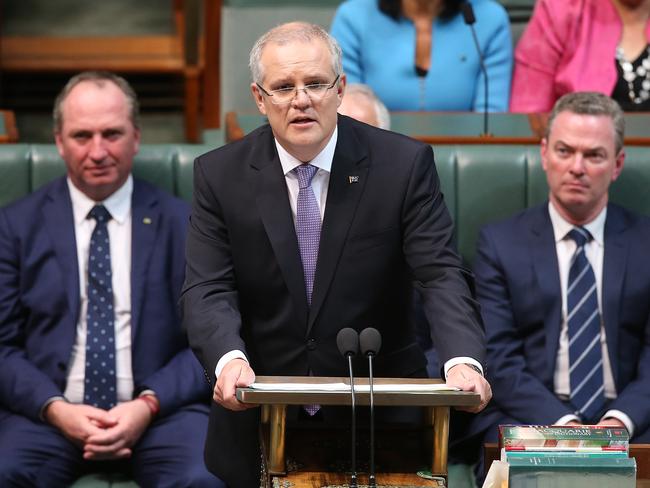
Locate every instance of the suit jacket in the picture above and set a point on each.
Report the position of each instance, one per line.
(381, 232)
(39, 299)
(518, 286)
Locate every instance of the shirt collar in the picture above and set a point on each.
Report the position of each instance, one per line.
(323, 159)
(118, 204)
(561, 227)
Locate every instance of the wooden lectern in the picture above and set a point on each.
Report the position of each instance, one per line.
(283, 471)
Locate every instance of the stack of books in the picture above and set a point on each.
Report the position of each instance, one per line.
(561, 456)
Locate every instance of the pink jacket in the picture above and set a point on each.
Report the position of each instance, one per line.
(568, 45)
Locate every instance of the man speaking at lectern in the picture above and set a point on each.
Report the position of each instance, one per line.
(310, 224)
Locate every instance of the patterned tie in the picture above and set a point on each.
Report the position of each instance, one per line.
(100, 382)
(308, 231)
(585, 350)
(307, 225)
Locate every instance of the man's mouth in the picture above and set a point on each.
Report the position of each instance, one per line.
(302, 120)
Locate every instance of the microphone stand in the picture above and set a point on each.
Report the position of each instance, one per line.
(470, 19)
(353, 477)
(371, 476)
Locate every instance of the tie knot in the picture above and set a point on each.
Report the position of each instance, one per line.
(305, 174)
(100, 214)
(580, 235)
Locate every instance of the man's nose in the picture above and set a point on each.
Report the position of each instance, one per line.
(98, 150)
(578, 164)
(301, 99)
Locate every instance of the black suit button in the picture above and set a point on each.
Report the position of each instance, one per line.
(311, 344)
(61, 365)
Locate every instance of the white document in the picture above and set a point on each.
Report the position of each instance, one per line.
(394, 387)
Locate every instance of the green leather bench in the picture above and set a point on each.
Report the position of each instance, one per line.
(480, 184)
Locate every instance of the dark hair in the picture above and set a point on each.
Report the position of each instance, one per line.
(393, 8)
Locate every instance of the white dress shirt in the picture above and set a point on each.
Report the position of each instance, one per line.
(594, 251)
(119, 232)
(320, 184)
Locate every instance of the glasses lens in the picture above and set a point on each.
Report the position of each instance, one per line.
(283, 95)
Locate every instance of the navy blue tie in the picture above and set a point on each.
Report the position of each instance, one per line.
(583, 319)
(100, 382)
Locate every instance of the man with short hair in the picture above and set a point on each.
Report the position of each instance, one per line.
(307, 226)
(564, 287)
(361, 103)
(96, 372)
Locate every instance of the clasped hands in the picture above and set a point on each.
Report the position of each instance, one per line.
(102, 434)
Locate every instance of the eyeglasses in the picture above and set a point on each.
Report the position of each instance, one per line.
(315, 91)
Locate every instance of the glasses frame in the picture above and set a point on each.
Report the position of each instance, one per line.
(295, 89)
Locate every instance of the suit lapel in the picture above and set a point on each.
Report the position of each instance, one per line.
(59, 222)
(347, 182)
(614, 266)
(275, 211)
(145, 222)
(546, 269)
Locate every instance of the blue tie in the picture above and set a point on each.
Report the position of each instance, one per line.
(583, 318)
(307, 225)
(100, 382)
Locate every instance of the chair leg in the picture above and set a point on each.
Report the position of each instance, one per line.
(192, 101)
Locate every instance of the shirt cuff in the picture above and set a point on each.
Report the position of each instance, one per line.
(47, 403)
(618, 415)
(236, 354)
(462, 360)
(565, 419)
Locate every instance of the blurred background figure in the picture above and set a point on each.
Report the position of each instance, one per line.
(361, 103)
(420, 55)
(584, 45)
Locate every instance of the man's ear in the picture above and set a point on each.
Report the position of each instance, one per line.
(258, 97)
(618, 165)
(543, 151)
(340, 89)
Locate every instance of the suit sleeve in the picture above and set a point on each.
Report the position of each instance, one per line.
(634, 399)
(209, 301)
(23, 387)
(520, 394)
(181, 380)
(445, 286)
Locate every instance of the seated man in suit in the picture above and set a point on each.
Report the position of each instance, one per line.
(361, 103)
(310, 224)
(565, 286)
(96, 371)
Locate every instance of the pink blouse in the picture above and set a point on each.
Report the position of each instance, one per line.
(568, 45)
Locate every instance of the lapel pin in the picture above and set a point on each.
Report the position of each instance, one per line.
(146, 220)
(353, 179)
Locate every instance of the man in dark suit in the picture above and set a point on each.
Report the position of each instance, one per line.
(279, 262)
(96, 371)
(544, 369)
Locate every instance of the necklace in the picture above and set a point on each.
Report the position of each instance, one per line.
(630, 74)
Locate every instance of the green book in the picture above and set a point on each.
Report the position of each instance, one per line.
(562, 437)
(572, 472)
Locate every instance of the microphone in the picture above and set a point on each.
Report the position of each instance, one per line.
(470, 19)
(370, 341)
(347, 341)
